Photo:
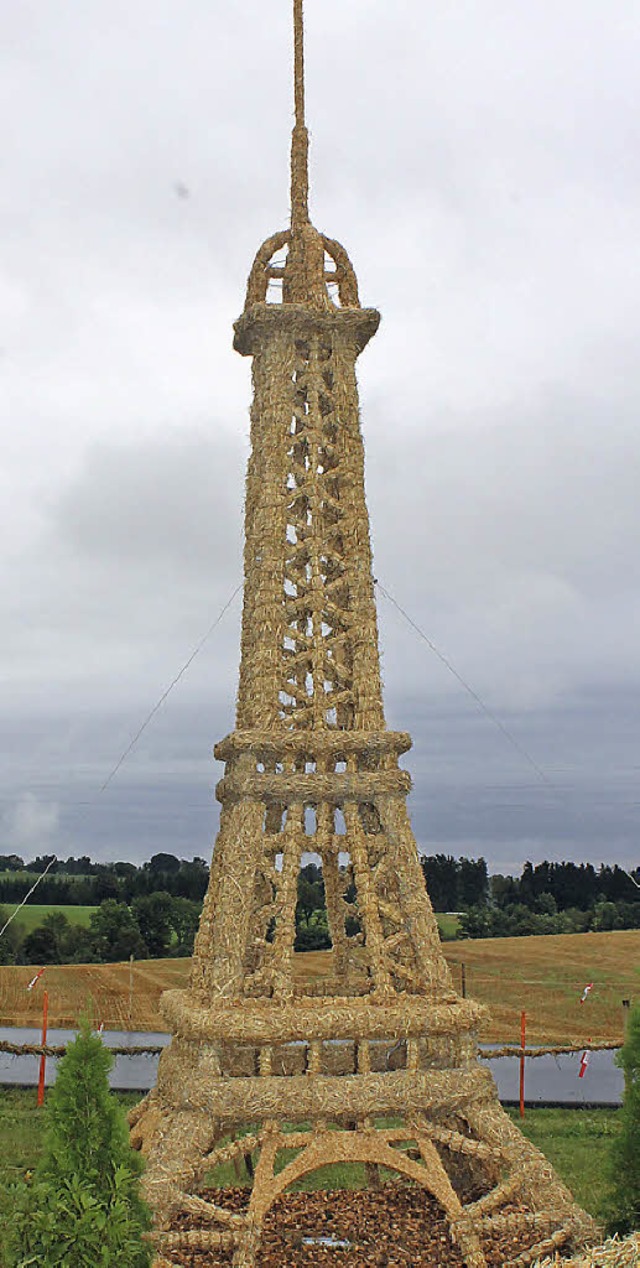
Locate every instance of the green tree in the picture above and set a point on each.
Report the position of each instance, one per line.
(78, 947)
(310, 898)
(115, 934)
(11, 940)
(473, 882)
(153, 915)
(185, 917)
(605, 916)
(11, 863)
(623, 1206)
(41, 946)
(83, 1206)
(441, 876)
(477, 922)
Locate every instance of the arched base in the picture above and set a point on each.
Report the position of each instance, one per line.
(510, 1187)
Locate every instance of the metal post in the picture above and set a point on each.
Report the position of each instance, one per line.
(523, 1044)
(43, 1059)
(626, 1011)
(463, 979)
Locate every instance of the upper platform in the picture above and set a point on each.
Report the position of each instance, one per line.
(261, 319)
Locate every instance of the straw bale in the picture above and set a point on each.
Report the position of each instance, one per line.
(295, 1098)
(310, 789)
(262, 1021)
(614, 1253)
(334, 744)
(553, 1050)
(555, 1240)
(261, 322)
(195, 1239)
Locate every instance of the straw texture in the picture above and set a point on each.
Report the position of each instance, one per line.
(311, 768)
(612, 1254)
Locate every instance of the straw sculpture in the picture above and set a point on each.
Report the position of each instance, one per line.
(615, 1253)
(311, 767)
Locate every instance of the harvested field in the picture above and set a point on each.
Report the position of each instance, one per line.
(544, 975)
(102, 990)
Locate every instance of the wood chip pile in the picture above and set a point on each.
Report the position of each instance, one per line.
(395, 1227)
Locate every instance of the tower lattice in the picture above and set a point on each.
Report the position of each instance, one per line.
(311, 768)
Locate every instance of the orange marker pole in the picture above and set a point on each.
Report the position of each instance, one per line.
(523, 1044)
(43, 1059)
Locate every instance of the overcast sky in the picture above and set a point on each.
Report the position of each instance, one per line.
(481, 162)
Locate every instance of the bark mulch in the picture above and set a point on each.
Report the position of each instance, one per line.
(397, 1226)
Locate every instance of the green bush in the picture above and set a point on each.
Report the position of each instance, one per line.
(11, 940)
(83, 1205)
(623, 1204)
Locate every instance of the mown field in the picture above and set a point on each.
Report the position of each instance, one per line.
(448, 923)
(543, 975)
(34, 914)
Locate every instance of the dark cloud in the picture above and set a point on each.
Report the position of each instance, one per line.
(473, 793)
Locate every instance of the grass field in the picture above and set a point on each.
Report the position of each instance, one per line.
(34, 913)
(448, 923)
(576, 1142)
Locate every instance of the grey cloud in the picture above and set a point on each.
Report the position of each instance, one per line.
(519, 551)
(29, 825)
(131, 564)
(482, 169)
(472, 794)
(171, 502)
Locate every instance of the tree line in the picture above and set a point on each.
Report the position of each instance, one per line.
(152, 910)
(81, 882)
(154, 926)
(561, 897)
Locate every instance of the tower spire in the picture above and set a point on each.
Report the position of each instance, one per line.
(300, 135)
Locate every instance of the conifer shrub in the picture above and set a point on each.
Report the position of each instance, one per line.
(623, 1204)
(83, 1206)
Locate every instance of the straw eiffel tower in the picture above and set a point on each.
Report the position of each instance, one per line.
(311, 768)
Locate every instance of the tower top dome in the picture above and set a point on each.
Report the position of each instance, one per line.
(306, 266)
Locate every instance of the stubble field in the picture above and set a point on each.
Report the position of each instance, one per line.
(544, 975)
